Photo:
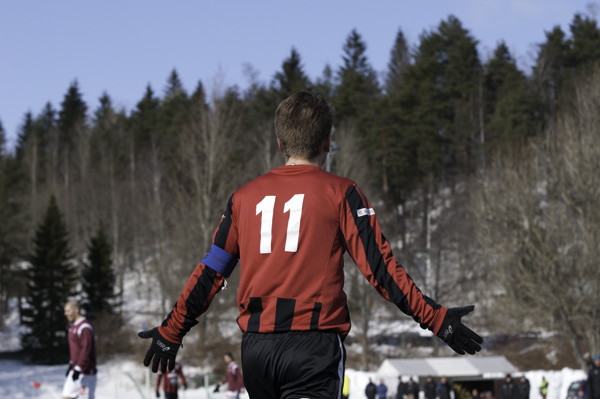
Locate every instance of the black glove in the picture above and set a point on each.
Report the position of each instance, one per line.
(157, 394)
(458, 336)
(75, 375)
(217, 387)
(185, 387)
(68, 369)
(161, 349)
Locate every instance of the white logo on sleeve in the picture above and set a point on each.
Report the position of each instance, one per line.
(365, 212)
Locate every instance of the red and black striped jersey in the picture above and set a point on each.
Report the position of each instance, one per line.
(290, 228)
(170, 384)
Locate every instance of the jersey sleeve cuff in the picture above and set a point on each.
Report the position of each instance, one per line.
(168, 336)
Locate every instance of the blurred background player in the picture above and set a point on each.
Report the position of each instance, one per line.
(233, 378)
(81, 373)
(291, 227)
(170, 383)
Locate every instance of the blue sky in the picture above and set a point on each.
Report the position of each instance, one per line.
(122, 46)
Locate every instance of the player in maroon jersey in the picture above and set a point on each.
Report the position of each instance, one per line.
(170, 385)
(233, 378)
(291, 228)
(81, 373)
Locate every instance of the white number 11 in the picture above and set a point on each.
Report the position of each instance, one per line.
(266, 206)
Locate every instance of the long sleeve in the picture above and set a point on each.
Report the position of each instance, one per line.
(373, 255)
(86, 354)
(202, 286)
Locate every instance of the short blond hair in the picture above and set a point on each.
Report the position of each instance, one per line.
(302, 122)
(73, 304)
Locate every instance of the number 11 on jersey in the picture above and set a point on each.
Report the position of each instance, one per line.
(294, 207)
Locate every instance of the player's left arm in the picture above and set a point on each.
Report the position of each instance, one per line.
(87, 347)
(373, 255)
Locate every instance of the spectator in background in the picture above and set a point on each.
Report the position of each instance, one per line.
(412, 389)
(475, 394)
(170, 383)
(371, 390)
(544, 388)
(346, 387)
(444, 389)
(401, 390)
(429, 388)
(509, 390)
(593, 381)
(382, 390)
(524, 388)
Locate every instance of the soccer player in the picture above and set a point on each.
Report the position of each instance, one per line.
(290, 228)
(233, 378)
(81, 373)
(170, 385)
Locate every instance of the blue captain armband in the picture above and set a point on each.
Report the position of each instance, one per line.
(220, 261)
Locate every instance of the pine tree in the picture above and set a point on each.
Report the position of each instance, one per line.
(549, 71)
(73, 136)
(436, 99)
(292, 78)
(399, 61)
(358, 86)
(509, 105)
(51, 281)
(174, 86)
(73, 112)
(172, 116)
(2, 141)
(145, 119)
(25, 133)
(584, 45)
(325, 84)
(98, 277)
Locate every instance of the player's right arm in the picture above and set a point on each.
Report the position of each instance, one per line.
(205, 282)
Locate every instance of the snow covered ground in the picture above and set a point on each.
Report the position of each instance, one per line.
(116, 380)
(129, 380)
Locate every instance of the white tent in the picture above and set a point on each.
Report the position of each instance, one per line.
(472, 366)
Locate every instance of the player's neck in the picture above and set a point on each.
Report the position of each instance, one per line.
(77, 318)
(317, 161)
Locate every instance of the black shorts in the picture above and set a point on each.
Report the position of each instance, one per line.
(170, 395)
(293, 365)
